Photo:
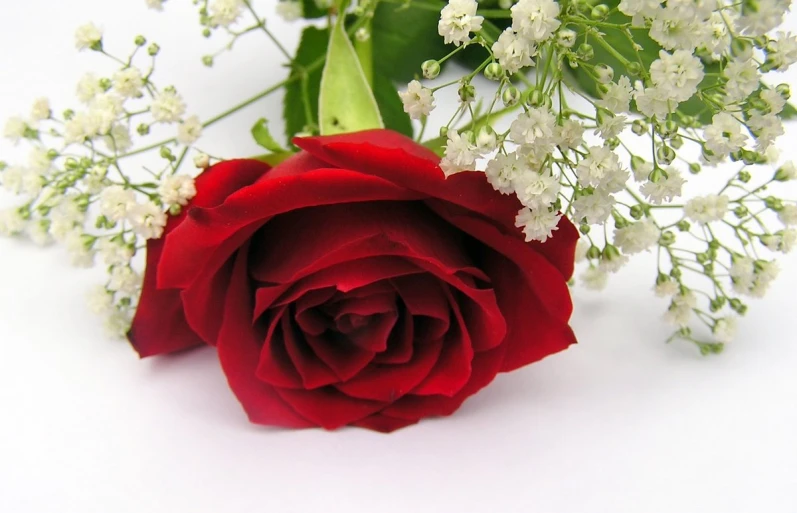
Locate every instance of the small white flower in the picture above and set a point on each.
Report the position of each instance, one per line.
(652, 101)
(743, 79)
(725, 329)
(724, 135)
(128, 82)
(601, 168)
(612, 263)
(458, 20)
(594, 208)
(783, 50)
(13, 178)
(666, 189)
(611, 126)
(418, 100)
(536, 128)
(666, 288)
(766, 15)
(677, 74)
(536, 190)
(289, 10)
(767, 128)
(202, 161)
(79, 249)
(87, 35)
(538, 225)
(225, 12)
(167, 106)
(774, 99)
(460, 154)
(594, 278)
(502, 170)
(66, 218)
(617, 96)
(177, 190)
(680, 311)
(636, 237)
(147, 219)
(100, 300)
(783, 241)
(156, 5)
(114, 251)
(705, 209)
(124, 280)
(513, 52)
(40, 110)
(570, 134)
(582, 247)
(189, 131)
(788, 215)
(11, 222)
(117, 324)
(15, 129)
(535, 20)
(88, 87)
(38, 232)
(116, 202)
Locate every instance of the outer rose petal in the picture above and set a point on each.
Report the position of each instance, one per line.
(160, 325)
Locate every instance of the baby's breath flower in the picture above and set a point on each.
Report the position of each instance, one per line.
(538, 224)
(594, 278)
(705, 209)
(177, 190)
(458, 20)
(128, 82)
(225, 12)
(88, 36)
(513, 52)
(636, 237)
(664, 189)
(460, 154)
(725, 329)
(418, 100)
(680, 311)
(666, 288)
(11, 222)
(167, 107)
(100, 300)
(189, 131)
(147, 219)
(535, 20)
(40, 110)
(116, 202)
(124, 280)
(79, 249)
(289, 10)
(15, 129)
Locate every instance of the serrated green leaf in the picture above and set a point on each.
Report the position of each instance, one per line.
(300, 106)
(391, 106)
(263, 136)
(406, 35)
(346, 102)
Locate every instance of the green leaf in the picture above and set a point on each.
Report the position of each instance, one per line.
(406, 35)
(391, 106)
(788, 112)
(272, 159)
(263, 136)
(346, 102)
(300, 110)
(310, 10)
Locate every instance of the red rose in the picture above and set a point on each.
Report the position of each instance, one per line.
(354, 284)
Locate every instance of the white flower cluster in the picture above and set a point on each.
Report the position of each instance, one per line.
(715, 55)
(76, 187)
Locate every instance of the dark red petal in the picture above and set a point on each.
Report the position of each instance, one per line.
(365, 305)
(314, 235)
(533, 334)
(204, 299)
(313, 371)
(275, 366)
(345, 276)
(383, 423)
(453, 368)
(400, 160)
(374, 336)
(328, 407)
(192, 244)
(345, 359)
(401, 342)
(412, 407)
(545, 279)
(239, 353)
(389, 382)
(160, 325)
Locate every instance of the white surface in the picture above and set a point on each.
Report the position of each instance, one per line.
(620, 423)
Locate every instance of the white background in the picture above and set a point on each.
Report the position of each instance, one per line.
(620, 423)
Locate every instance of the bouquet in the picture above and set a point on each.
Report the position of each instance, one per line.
(374, 266)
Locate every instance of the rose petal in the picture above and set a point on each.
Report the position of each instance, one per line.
(374, 336)
(389, 382)
(313, 371)
(400, 344)
(383, 423)
(160, 325)
(532, 334)
(345, 359)
(328, 407)
(195, 241)
(239, 353)
(275, 366)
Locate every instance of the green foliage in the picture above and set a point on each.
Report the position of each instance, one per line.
(263, 136)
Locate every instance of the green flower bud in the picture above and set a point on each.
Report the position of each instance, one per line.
(143, 129)
(593, 253)
(683, 225)
(467, 93)
(206, 32)
(737, 306)
(784, 90)
(744, 176)
(511, 96)
(773, 203)
(637, 211)
(140, 40)
(167, 154)
(584, 228)
(443, 131)
(535, 99)
(566, 38)
(740, 211)
(153, 49)
(676, 273)
(639, 127)
(585, 52)
(634, 69)
(207, 60)
(676, 141)
(694, 168)
(667, 238)
(106, 84)
(494, 71)
(430, 69)
(665, 154)
(605, 73)
(599, 12)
